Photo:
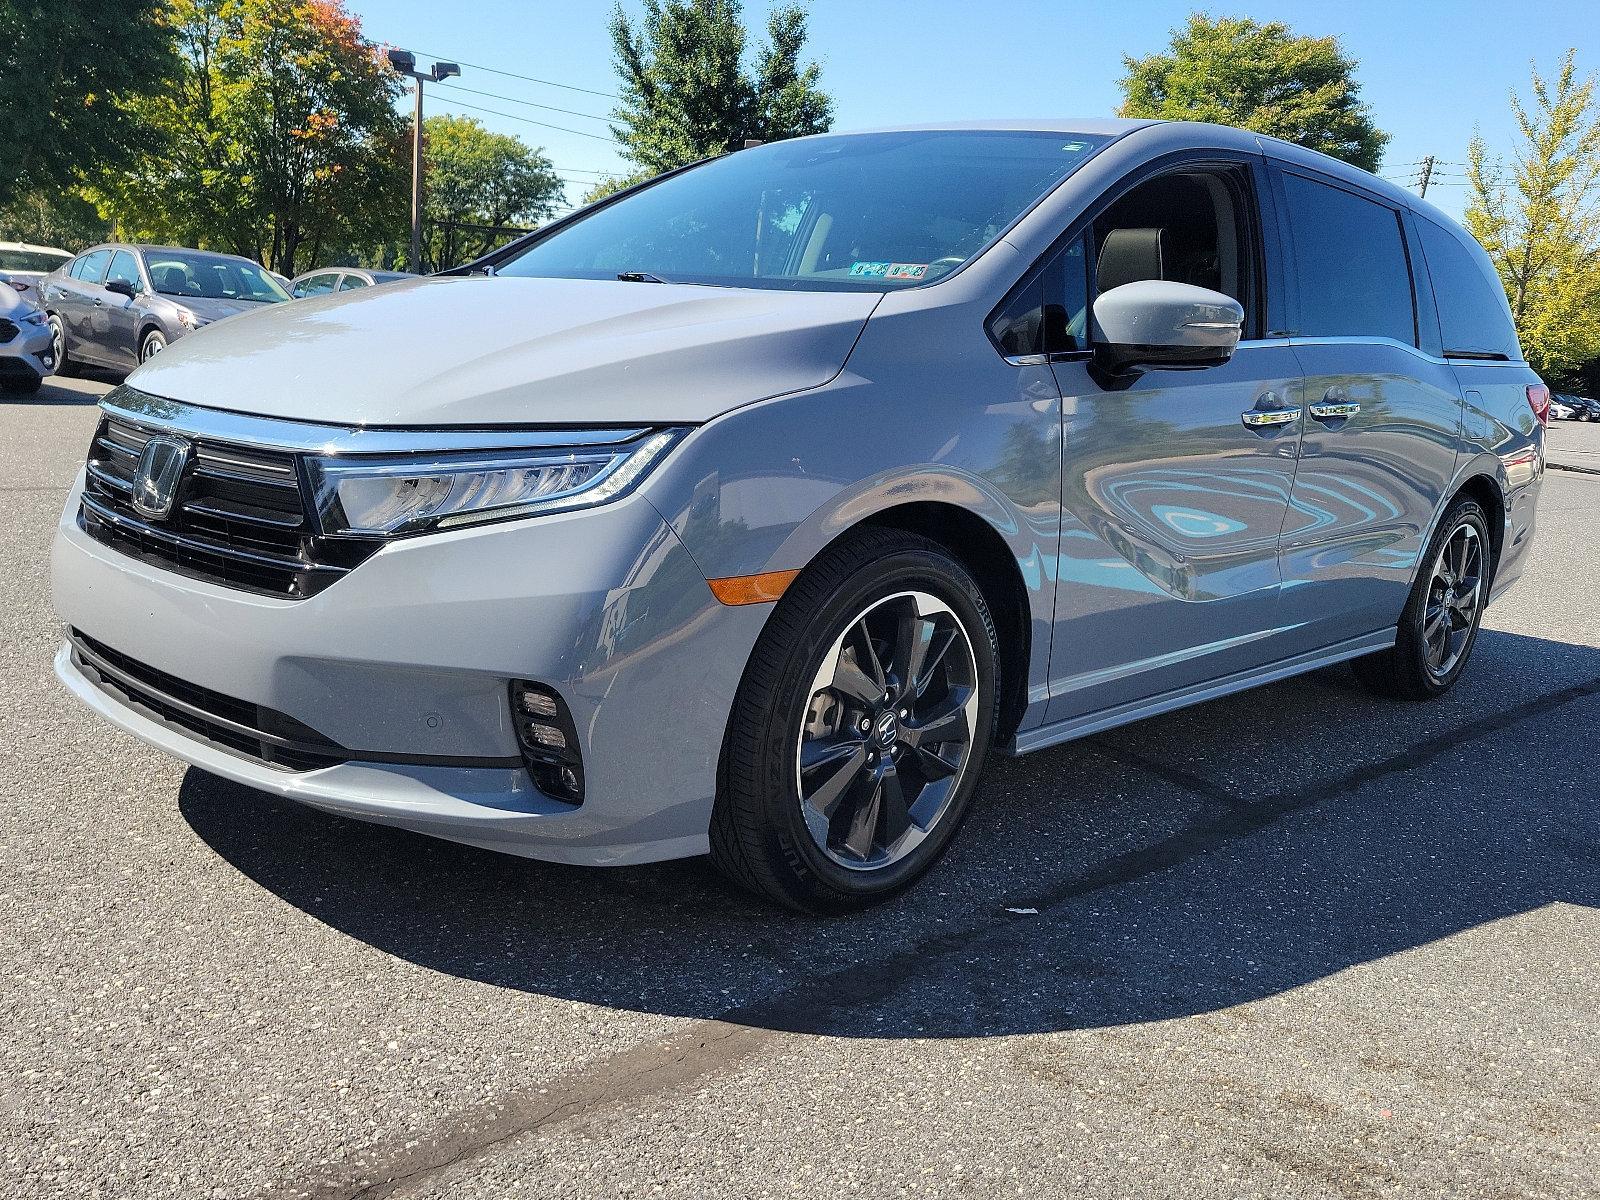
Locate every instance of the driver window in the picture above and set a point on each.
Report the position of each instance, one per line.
(1185, 227)
(124, 268)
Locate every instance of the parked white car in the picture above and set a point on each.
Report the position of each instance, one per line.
(22, 266)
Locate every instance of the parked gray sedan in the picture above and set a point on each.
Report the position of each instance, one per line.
(119, 305)
(747, 511)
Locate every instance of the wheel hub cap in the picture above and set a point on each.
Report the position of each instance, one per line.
(888, 731)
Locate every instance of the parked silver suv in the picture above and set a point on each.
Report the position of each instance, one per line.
(747, 511)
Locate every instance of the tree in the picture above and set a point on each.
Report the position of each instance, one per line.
(1539, 219)
(67, 69)
(475, 177)
(687, 93)
(280, 140)
(1234, 71)
(53, 218)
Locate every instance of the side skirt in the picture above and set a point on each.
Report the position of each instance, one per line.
(1077, 727)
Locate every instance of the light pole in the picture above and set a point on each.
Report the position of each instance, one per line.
(405, 63)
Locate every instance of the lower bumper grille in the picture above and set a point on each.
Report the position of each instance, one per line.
(257, 732)
(254, 731)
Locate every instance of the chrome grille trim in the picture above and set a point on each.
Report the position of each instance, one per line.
(268, 434)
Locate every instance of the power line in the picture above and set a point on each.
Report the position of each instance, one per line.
(456, 87)
(529, 78)
(530, 121)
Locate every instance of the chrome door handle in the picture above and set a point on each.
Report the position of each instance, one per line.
(1335, 411)
(1258, 418)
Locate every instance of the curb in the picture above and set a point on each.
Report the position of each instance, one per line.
(1555, 466)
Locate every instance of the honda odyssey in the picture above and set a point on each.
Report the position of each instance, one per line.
(747, 511)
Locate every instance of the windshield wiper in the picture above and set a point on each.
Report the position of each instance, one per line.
(641, 277)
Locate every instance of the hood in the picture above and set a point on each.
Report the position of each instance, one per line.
(480, 350)
(213, 310)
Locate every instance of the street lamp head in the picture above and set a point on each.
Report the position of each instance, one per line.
(443, 70)
(403, 61)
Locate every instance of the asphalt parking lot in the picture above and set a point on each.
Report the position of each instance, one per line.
(1299, 942)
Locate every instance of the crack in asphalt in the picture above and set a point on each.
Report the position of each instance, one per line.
(714, 1044)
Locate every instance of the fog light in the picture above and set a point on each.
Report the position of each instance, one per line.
(539, 704)
(549, 744)
(548, 736)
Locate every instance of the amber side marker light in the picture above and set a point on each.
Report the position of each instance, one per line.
(751, 589)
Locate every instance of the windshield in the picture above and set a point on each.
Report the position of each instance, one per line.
(42, 261)
(854, 212)
(211, 277)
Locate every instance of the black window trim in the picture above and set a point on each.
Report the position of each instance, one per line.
(1283, 167)
(1254, 163)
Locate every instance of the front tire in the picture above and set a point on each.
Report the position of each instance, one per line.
(65, 367)
(860, 727)
(1440, 623)
(154, 343)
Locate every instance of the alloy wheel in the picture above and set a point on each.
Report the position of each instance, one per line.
(1455, 596)
(888, 731)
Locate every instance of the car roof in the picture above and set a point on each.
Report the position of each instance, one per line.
(34, 246)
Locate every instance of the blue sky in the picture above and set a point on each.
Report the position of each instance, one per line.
(1431, 69)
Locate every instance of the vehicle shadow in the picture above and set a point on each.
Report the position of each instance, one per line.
(82, 390)
(1180, 865)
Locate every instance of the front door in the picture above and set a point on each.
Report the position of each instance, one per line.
(120, 314)
(1175, 484)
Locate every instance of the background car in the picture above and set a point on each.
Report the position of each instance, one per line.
(23, 266)
(1582, 408)
(26, 355)
(119, 305)
(341, 279)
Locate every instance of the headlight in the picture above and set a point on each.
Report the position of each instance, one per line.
(34, 318)
(187, 316)
(390, 495)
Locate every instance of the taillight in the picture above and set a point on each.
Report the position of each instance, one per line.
(1539, 401)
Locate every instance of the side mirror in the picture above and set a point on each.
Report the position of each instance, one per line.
(121, 287)
(1173, 326)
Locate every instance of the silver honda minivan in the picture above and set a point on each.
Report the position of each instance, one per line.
(747, 512)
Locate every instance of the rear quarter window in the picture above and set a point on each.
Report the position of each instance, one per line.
(1474, 316)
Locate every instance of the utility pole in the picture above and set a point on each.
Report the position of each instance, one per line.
(1422, 192)
(405, 62)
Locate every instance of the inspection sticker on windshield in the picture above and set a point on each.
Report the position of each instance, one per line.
(886, 270)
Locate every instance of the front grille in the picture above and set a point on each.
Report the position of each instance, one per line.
(239, 517)
(8, 330)
(253, 730)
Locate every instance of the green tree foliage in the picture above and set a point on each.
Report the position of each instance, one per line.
(1235, 71)
(67, 67)
(1539, 219)
(688, 93)
(48, 217)
(475, 177)
(280, 138)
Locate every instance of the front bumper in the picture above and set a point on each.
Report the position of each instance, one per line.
(409, 658)
(30, 351)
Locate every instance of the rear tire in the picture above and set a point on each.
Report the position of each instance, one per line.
(860, 728)
(1440, 623)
